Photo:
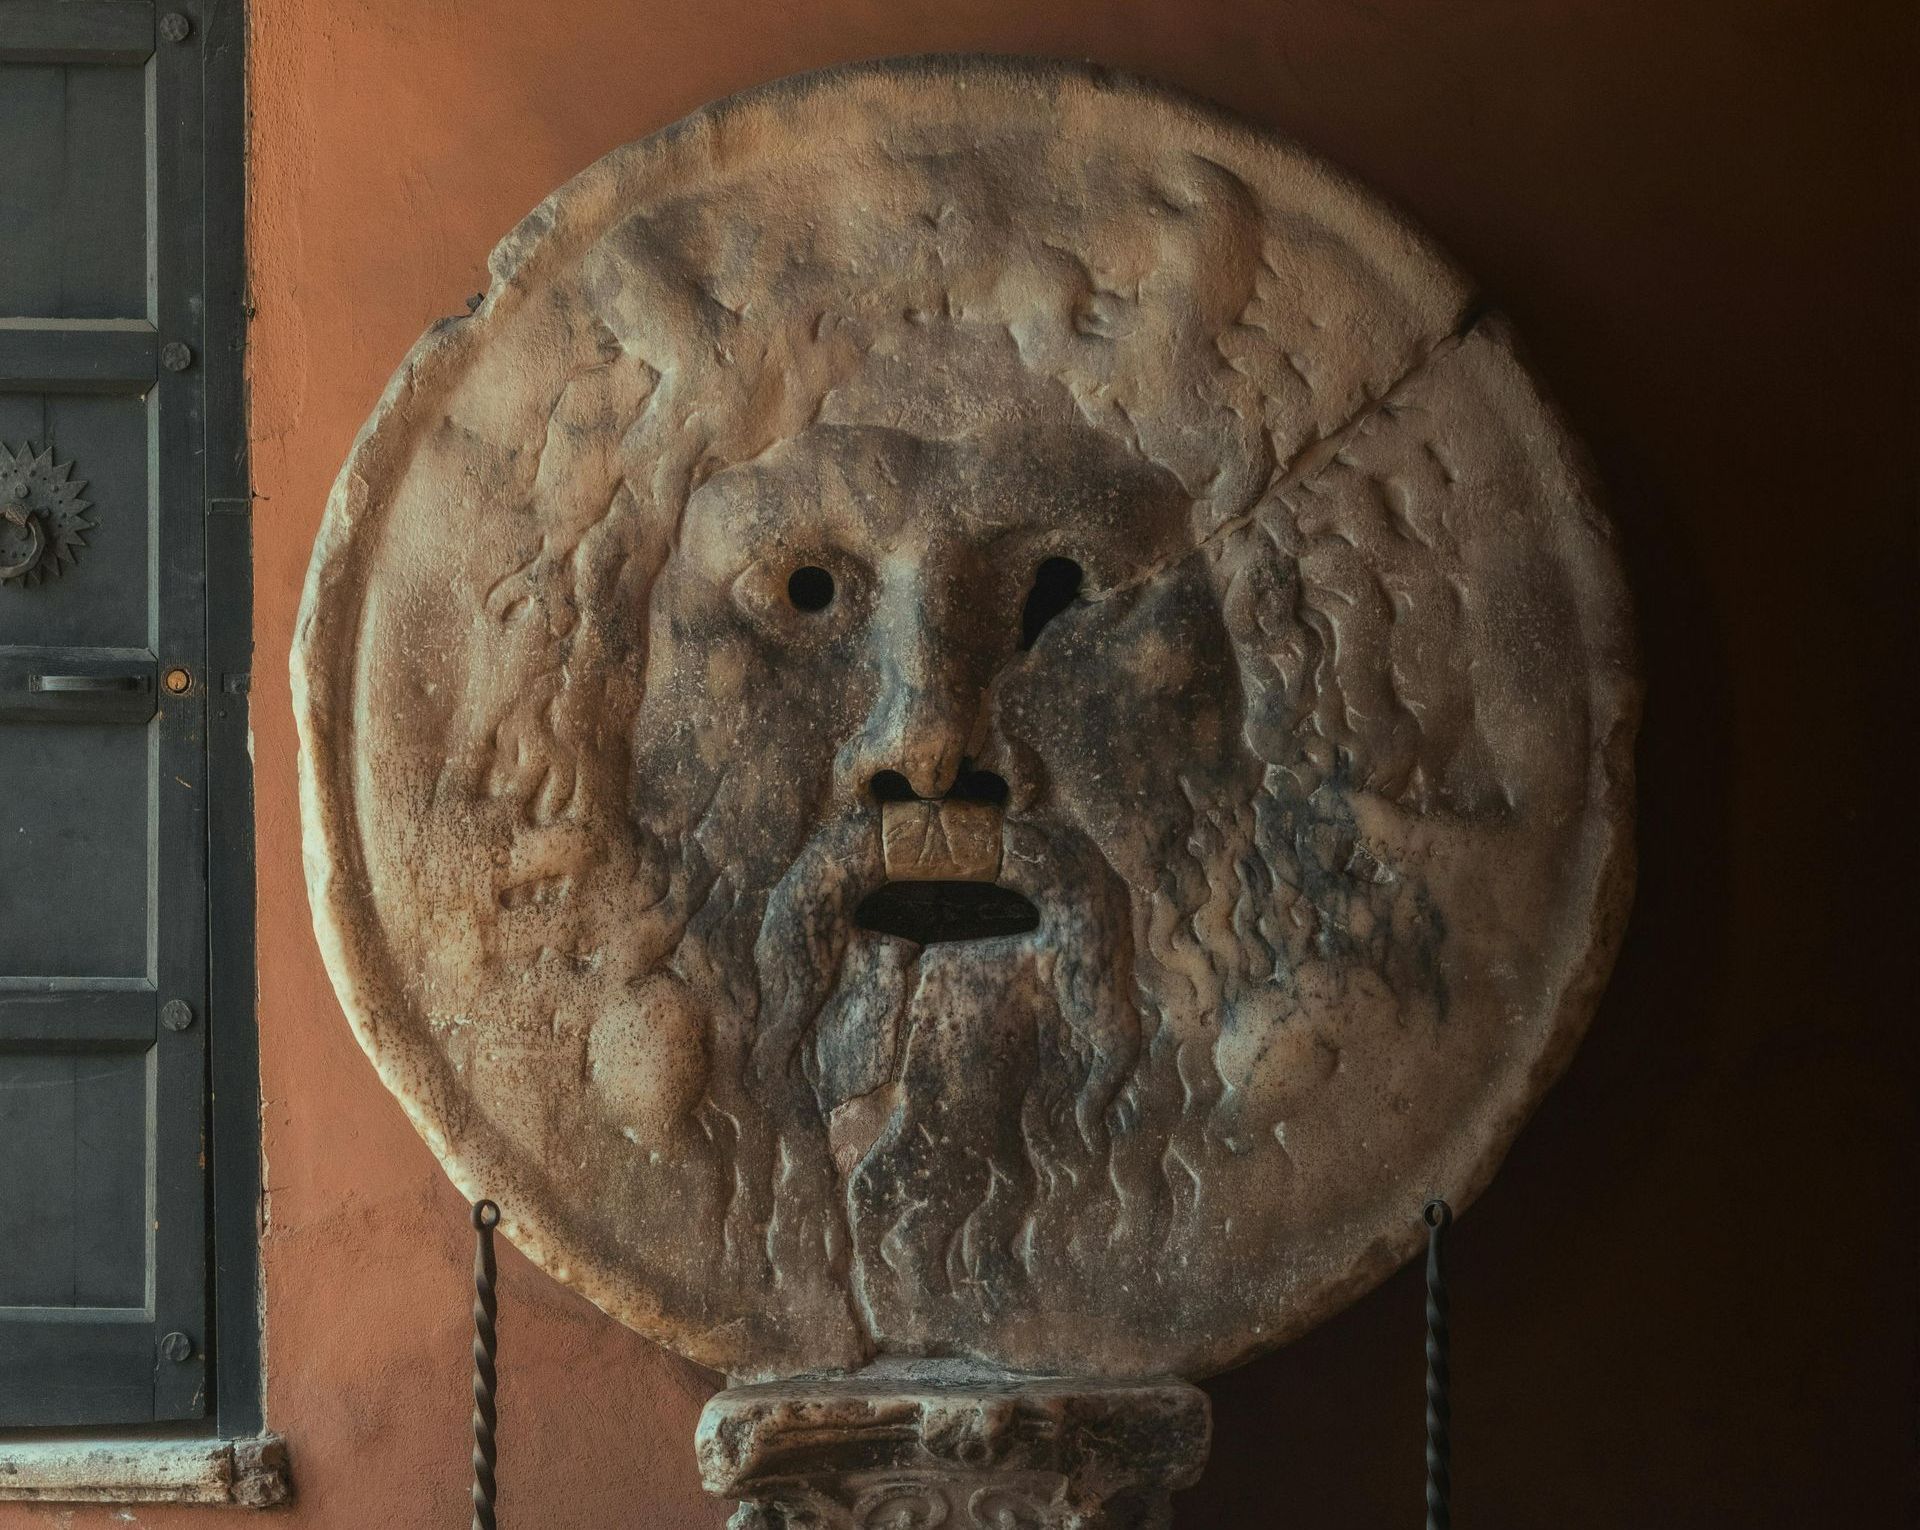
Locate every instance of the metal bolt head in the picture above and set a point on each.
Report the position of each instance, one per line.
(176, 1014)
(177, 681)
(177, 1347)
(176, 356)
(175, 28)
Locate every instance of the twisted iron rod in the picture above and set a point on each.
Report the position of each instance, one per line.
(486, 1216)
(1438, 1216)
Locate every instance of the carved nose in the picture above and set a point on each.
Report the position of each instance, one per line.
(935, 658)
(920, 736)
(985, 787)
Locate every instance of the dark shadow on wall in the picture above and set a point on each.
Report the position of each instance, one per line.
(1688, 1299)
(1555, 1294)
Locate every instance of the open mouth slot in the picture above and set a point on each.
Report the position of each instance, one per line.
(928, 913)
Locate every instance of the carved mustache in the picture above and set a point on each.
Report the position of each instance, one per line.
(1077, 910)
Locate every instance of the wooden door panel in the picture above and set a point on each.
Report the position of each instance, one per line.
(103, 764)
(75, 856)
(77, 1232)
(73, 201)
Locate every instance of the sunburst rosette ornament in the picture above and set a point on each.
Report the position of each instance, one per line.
(43, 519)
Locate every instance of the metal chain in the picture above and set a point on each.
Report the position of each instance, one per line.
(486, 1216)
(1438, 1216)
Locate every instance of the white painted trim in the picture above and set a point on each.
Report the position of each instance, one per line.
(252, 1472)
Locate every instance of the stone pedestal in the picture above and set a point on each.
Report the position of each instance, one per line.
(936, 1444)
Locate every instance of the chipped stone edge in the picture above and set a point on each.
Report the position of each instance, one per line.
(249, 1472)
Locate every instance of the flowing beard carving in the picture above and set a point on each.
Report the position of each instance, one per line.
(930, 1127)
(955, 1104)
(1013, 1053)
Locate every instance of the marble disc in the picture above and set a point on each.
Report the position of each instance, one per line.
(978, 713)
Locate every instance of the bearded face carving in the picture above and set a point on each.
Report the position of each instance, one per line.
(961, 736)
(918, 786)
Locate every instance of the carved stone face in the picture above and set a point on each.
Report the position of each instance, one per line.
(911, 653)
(966, 720)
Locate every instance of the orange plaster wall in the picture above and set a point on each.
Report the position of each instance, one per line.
(1686, 1301)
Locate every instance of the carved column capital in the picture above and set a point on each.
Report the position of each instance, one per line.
(936, 1444)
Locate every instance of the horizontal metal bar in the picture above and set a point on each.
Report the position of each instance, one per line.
(77, 356)
(78, 1020)
(75, 684)
(69, 685)
(92, 984)
(76, 31)
(88, 685)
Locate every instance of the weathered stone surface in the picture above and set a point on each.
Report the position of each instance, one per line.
(917, 1446)
(723, 529)
(251, 1471)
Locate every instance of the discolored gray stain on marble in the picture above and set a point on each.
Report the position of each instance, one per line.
(826, 928)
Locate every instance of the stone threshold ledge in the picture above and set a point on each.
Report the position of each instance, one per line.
(93, 1469)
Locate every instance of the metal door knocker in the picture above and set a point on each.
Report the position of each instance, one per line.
(24, 521)
(43, 520)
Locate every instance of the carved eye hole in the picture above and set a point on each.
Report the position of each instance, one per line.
(810, 588)
(1055, 584)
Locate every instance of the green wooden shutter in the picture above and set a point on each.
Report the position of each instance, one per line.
(104, 1310)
